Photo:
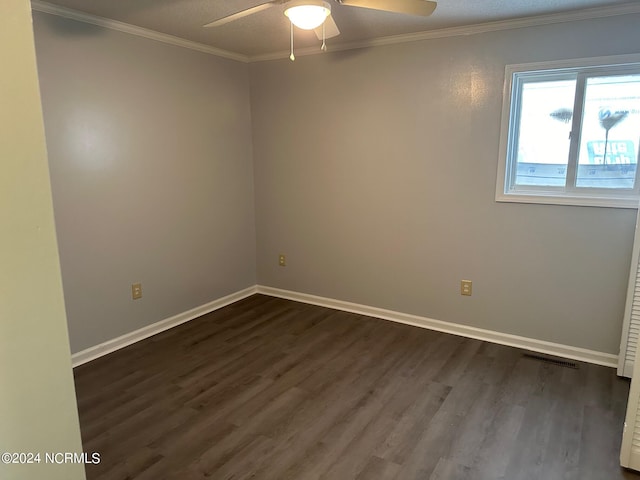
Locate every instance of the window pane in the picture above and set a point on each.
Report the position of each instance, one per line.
(610, 128)
(543, 139)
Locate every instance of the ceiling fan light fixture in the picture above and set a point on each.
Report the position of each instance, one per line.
(307, 14)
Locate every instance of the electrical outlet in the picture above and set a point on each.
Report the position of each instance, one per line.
(465, 287)
(282, 260)
(136, 291)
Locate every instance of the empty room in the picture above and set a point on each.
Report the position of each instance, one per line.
(398, 243)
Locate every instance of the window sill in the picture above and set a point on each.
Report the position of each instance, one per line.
(574, 200)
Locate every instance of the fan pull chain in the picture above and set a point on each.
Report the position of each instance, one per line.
(292, 57)
(324, 45)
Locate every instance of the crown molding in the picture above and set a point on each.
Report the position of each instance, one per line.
(534, 21)
(45, 7)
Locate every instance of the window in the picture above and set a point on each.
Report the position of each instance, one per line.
(571, 133)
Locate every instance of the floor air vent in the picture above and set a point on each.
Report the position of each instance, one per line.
(551, 360)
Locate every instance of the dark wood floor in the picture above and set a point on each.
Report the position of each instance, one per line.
(272, 389)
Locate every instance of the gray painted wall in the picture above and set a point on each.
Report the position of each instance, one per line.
(37, 398)
(151, 169)
(375, 175)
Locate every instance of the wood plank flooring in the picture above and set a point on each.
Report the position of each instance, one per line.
(272, 389)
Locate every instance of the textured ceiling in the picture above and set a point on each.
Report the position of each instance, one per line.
(267, 32)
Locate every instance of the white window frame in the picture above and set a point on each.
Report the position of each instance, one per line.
(581, 196)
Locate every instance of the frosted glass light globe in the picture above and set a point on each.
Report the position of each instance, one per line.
(307, 15)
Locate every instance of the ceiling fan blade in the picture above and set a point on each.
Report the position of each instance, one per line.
(410, 7)
(242, 14)
(330, 29)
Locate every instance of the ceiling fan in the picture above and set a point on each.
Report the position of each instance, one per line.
(316, 14)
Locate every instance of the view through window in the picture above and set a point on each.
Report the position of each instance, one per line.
(573, 132)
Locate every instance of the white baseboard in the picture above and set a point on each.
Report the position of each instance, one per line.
(109, 346)
(550, 348)
(626, 369)
(541, 346)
